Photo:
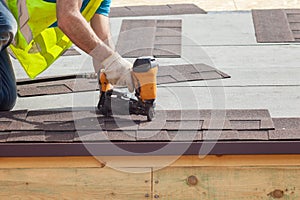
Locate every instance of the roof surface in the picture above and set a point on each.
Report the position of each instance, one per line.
(256, 111)
(44, 132)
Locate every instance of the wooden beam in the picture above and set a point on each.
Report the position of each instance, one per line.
(74, 183)
(223, 183)
(149, 161)
(50, 162)
(164, 177)
(225, 160)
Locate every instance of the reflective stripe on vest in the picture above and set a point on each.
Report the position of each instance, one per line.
(23, 19)
(36, 45)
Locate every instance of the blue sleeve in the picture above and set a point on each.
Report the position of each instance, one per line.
(104, 8)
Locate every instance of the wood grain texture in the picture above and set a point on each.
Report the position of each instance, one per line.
(158, 162)
(222, 183)
(148, 161)
(73, 183)
(187, 177)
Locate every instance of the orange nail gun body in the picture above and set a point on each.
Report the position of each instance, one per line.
(144, 77)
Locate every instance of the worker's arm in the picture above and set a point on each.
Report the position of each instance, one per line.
(100, 25)
(73, 24)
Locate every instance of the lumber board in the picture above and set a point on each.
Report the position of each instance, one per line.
(157, 162)
(51, 162)
(163, 177)
(222, 183)
(149, 161)
(73, 183)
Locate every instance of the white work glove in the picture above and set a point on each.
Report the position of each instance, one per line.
(116, 68)
(118, 71)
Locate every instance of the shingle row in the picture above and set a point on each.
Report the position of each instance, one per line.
(169, 125)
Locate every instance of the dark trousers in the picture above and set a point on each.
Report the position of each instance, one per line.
(8, 91)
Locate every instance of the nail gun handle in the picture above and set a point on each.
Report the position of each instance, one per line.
(104, 105)
(104, 84)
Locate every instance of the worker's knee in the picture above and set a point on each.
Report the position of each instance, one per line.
(8, 102)
(8, 26)
(8, 91)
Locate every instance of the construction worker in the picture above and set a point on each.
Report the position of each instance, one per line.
(8, 28)
(36, 47)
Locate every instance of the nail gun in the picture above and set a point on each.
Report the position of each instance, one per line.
(112, 102)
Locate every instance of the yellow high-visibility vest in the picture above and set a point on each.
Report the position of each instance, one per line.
(37, 45)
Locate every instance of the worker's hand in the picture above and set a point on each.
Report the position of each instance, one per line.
(118, 71)
(116, 68)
